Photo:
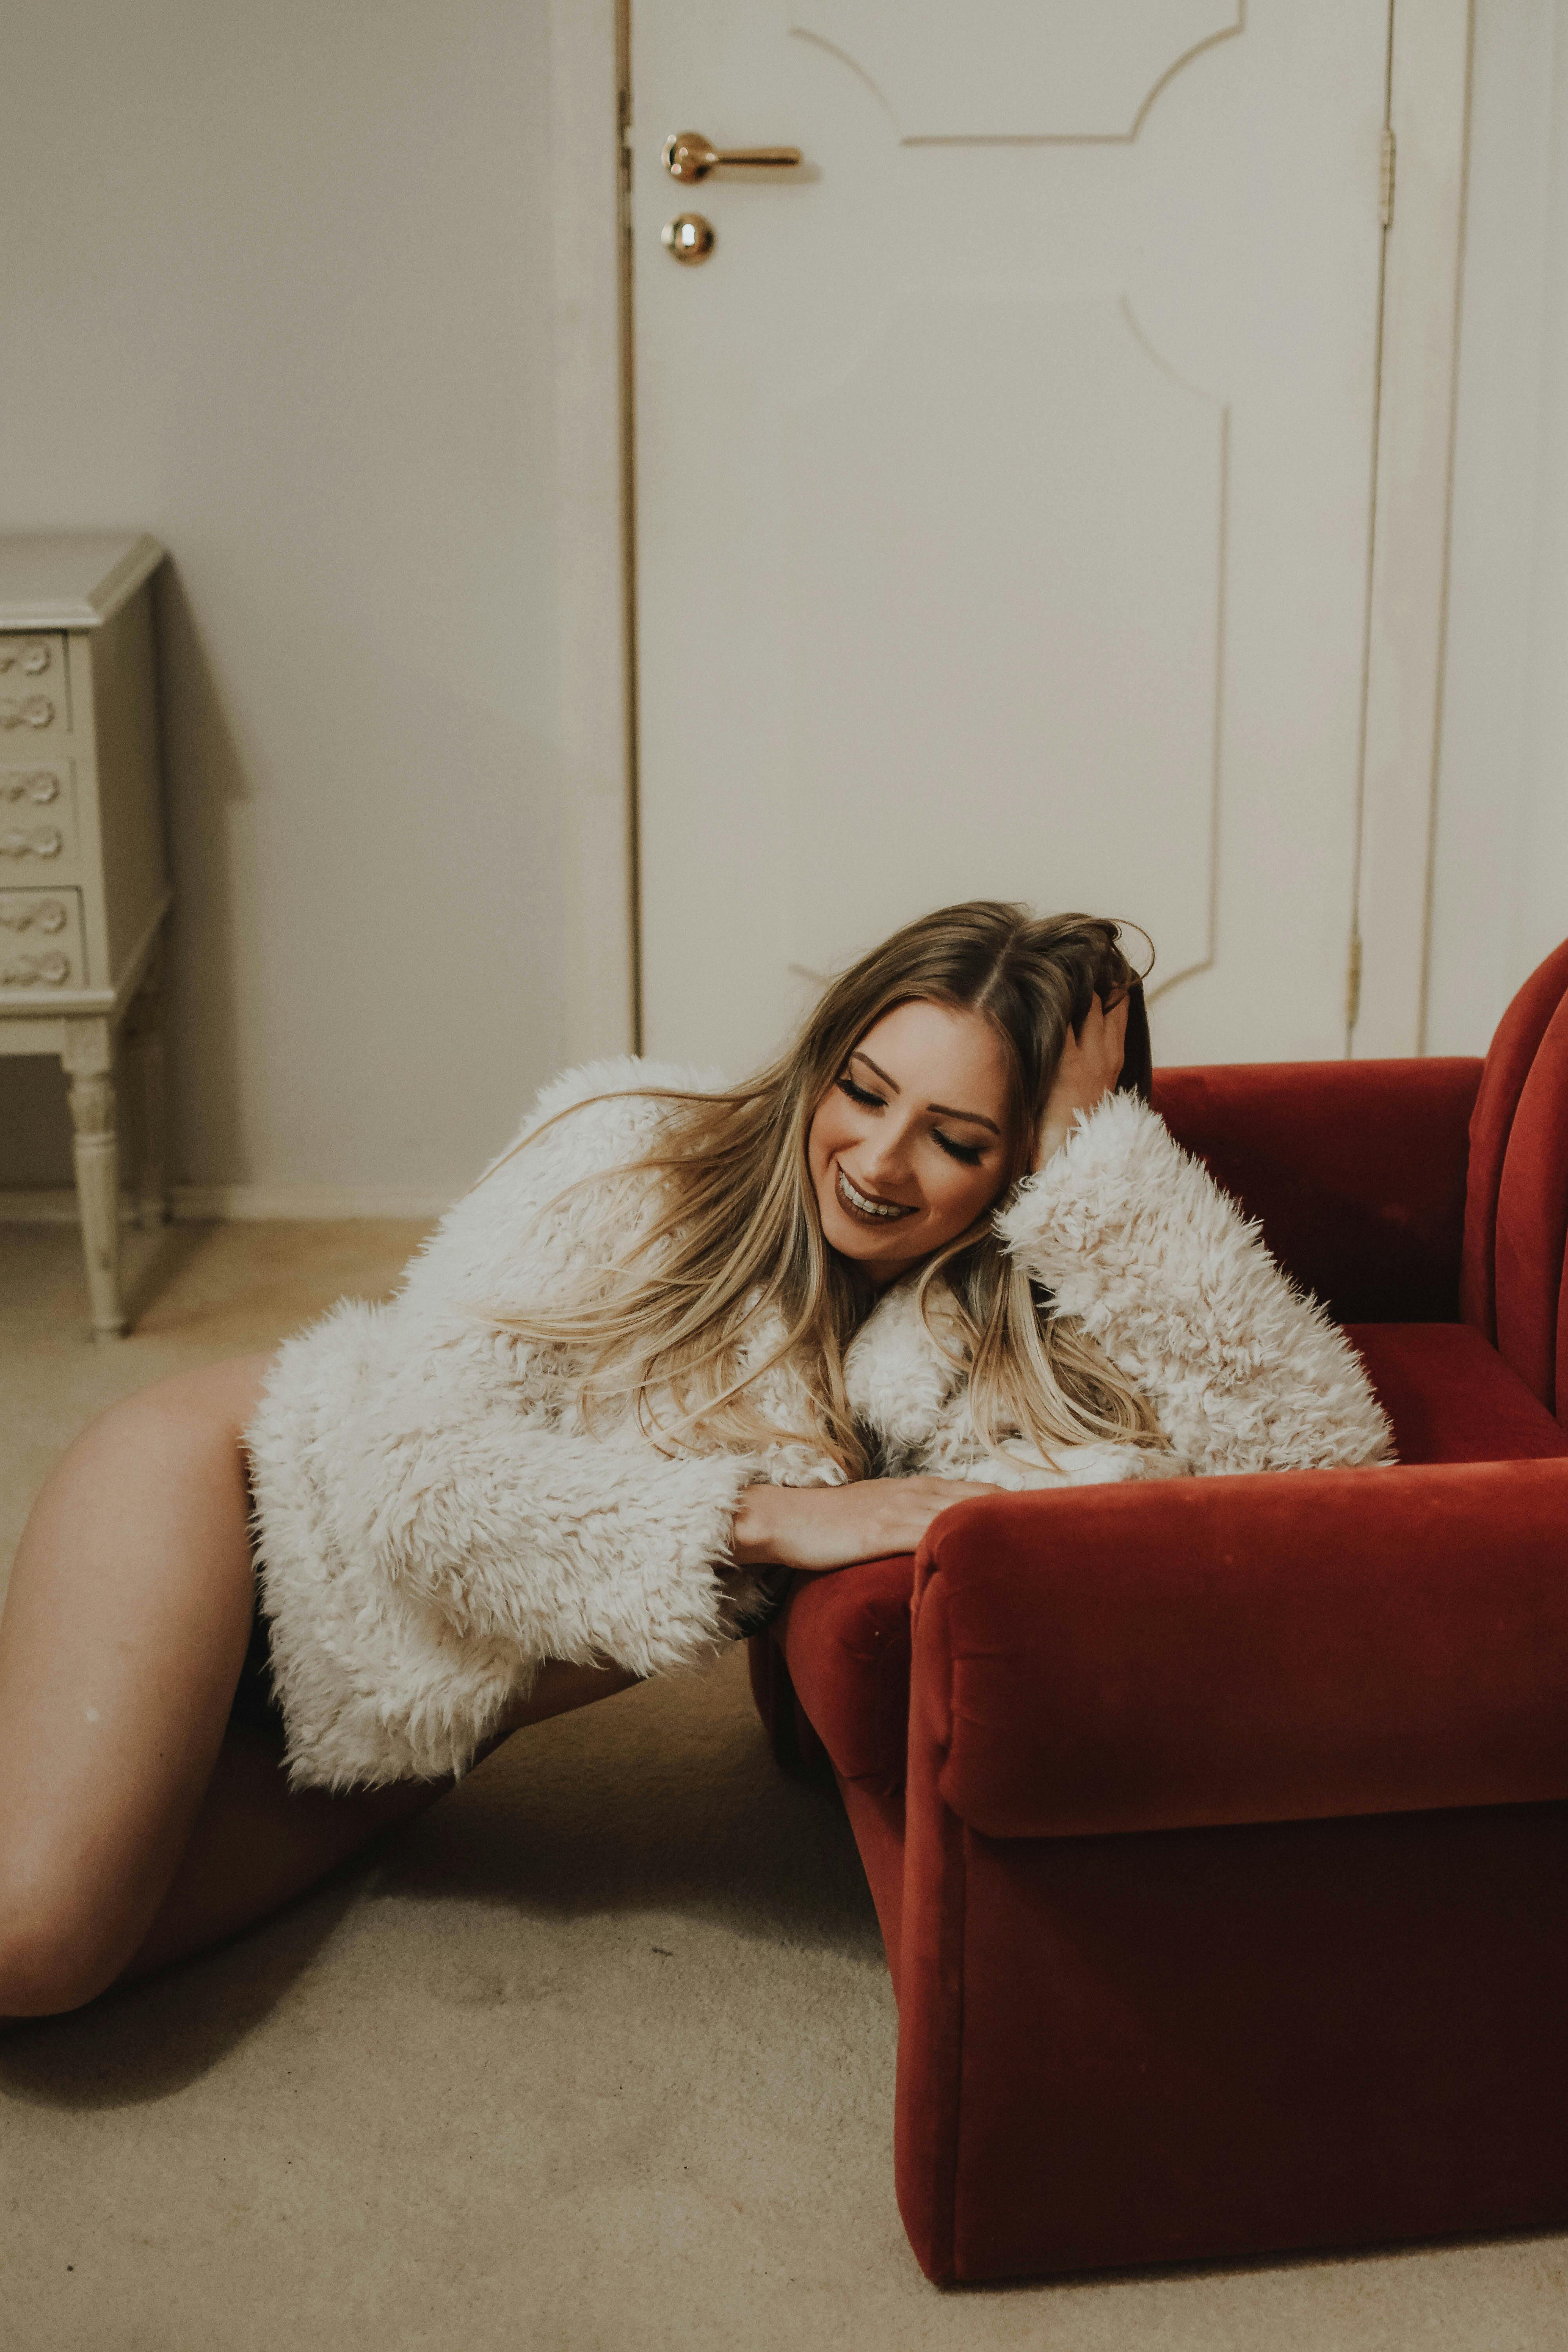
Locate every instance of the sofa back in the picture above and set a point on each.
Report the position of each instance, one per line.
(1516, 1209)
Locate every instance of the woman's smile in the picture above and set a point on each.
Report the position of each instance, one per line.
(908, 1147)
(861, 1204)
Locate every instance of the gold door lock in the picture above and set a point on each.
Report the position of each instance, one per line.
(689, 237)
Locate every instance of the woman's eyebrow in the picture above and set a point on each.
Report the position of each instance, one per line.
(943, 1111)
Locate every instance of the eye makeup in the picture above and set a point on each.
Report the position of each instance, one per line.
(969, 1153)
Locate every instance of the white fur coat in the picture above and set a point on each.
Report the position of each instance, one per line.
(433, 1521)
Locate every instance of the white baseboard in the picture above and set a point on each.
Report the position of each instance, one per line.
(248, 1203)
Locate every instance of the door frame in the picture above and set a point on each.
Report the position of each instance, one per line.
(1429, 121)
(1388, 951)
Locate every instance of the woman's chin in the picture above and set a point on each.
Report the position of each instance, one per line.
(879, 1252)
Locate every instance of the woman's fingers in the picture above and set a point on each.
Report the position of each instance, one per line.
(834, 1527)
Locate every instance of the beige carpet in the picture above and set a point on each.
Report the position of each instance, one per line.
(599, 2054)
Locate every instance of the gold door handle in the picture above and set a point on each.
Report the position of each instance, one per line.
(688, 156)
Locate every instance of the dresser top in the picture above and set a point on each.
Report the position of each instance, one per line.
(70, 578)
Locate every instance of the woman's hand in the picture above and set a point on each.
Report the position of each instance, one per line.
(832, 1527)
(1089, 1068)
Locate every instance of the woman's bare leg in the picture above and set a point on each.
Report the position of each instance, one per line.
(256, 1843)
(121, 1645)
(133, 1826)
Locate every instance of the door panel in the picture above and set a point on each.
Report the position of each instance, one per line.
(994, 69)
(932, 443)
(1003, 499)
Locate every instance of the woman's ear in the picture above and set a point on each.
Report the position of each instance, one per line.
(1137, 1061)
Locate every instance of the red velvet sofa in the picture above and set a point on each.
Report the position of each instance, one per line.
(1218, 1830)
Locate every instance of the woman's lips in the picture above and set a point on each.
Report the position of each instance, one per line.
(864, 1207)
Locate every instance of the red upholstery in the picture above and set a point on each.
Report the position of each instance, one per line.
(1451, 1398)
(1227, 1894)
(1268, 1649)
(1508, 1065)
(1532, 1217)
(1227, 2043)
(1356, 1170)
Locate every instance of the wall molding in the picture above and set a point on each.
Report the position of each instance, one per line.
(240, 1204)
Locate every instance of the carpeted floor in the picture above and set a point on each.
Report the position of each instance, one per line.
(599, 2053)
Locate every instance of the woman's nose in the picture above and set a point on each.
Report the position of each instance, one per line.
(885, 1159)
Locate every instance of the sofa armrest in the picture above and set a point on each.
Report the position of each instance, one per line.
(1356, 1169)
(1301, 1646)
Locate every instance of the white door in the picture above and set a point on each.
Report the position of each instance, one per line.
(1004, 494)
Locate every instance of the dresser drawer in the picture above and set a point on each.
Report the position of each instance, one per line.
(40, 942)
(38, 820)
(34, 703)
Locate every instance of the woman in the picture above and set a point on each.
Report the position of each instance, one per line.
(678, 1341)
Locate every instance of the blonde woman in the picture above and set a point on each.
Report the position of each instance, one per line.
(681, 1341)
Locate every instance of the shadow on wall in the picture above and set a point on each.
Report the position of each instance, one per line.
(202, 776)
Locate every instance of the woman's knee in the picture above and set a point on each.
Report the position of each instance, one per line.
(50, 1959)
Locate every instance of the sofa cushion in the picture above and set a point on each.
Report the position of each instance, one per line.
(1354, 1170)
(1451, 1398)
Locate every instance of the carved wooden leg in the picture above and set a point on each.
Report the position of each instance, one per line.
(145, 1033)
(89, 1060)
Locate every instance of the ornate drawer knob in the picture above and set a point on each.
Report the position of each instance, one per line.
(25, 914)
(44, 844)
(35, 657)
(52, 969)
(37, 710)
(44, 787)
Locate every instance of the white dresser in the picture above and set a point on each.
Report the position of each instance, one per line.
(83, 879)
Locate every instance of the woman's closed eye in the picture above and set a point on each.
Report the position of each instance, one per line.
(970, 1153)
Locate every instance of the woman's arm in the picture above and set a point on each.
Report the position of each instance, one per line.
(1138, 1244)
(387, 1461)
(816, 1527)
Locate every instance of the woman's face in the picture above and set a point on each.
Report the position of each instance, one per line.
(909, 1145)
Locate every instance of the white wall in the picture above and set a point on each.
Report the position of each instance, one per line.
(1500, 878)
(324, 298)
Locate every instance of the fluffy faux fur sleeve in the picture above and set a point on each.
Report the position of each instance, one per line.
(429, 1525)
(1136, 1241)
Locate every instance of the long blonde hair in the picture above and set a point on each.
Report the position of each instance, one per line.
(736, 1239)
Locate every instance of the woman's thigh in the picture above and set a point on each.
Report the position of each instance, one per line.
(121, 1644)
(135, 1826)
(256, 1843)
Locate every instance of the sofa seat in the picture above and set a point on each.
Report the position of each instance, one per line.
(1451, 1397)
